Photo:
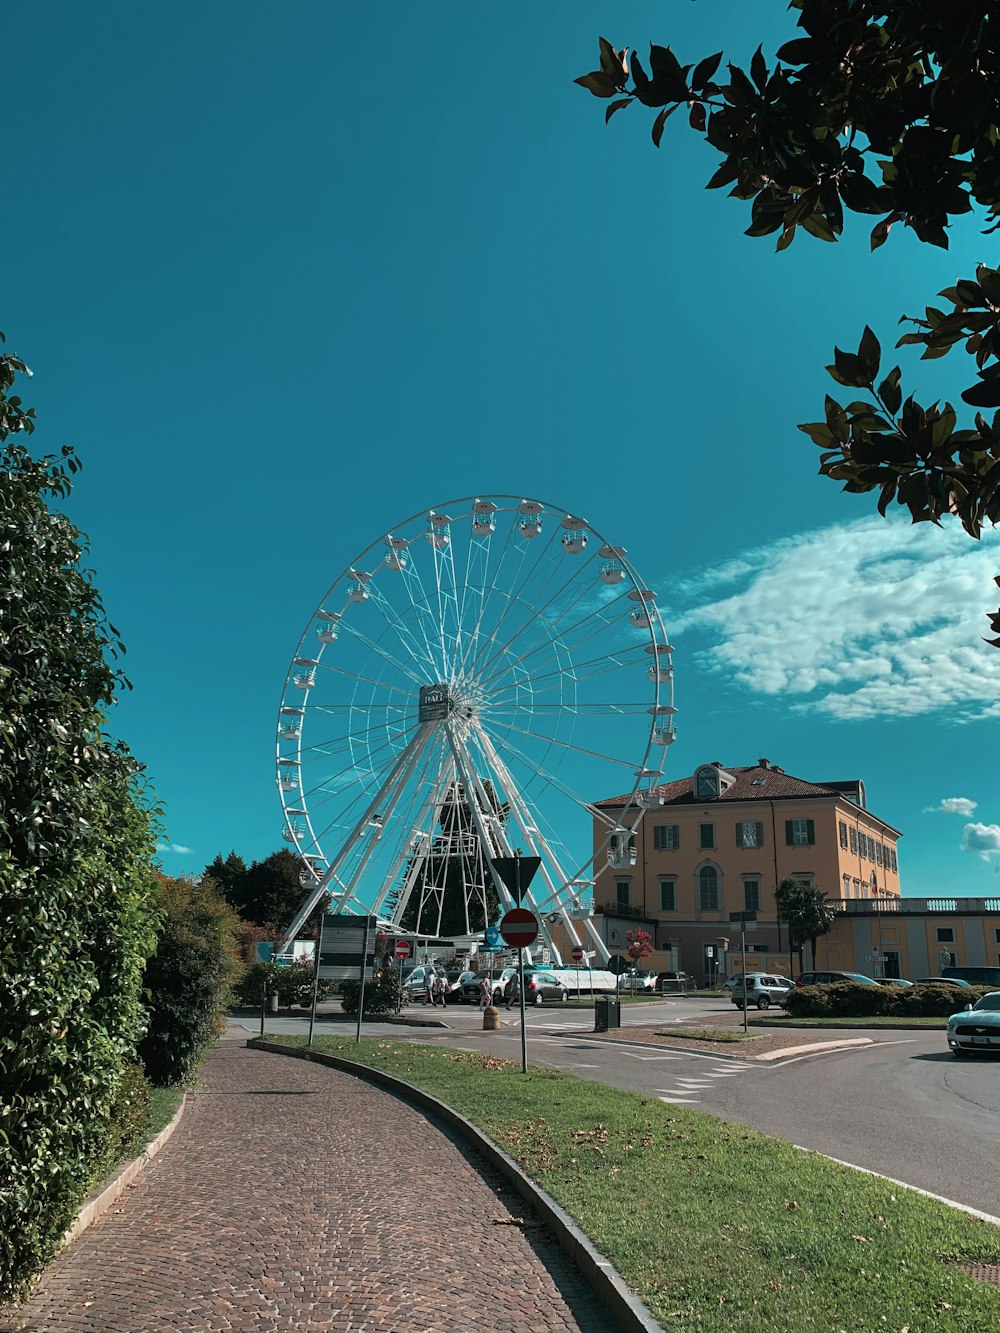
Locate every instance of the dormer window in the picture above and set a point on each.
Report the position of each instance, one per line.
(706, 782)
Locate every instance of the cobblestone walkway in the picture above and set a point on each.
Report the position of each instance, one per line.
(292, 1196)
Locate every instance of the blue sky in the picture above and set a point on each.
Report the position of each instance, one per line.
(286, 277)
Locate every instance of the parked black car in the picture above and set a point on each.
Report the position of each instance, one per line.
(680, 982)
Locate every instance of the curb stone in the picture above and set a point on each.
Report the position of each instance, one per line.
(101, 1199)
(628, 1311)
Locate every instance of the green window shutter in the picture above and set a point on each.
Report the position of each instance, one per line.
(789, 835)
(811, 825)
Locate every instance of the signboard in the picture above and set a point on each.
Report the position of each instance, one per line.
(341, 946)
(516, 873)
(492, 936)
(519, 927)
(576, 953)
(434, 704)
(402, 948)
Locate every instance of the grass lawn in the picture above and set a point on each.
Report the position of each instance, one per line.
(882, 1021)
(719, 1228)
(163, 1104)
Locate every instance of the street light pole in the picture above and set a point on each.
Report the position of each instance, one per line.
(878, 923)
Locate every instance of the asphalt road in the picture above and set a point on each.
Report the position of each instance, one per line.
(904, 1107)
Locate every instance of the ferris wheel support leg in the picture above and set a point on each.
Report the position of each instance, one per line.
(538, 844)
(404, 764)
(492, 841)
(346, 896)
(427, 811)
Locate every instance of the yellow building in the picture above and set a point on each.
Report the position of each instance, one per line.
(720, 842)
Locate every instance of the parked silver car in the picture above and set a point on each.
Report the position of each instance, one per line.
(761, 989)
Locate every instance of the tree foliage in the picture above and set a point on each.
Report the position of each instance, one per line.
(807, 912)
(188, 979)
(885, 108)
(268, 892)
(77, 836)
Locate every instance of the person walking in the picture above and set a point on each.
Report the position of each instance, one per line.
(512, 991)
(485, 993)
(441, 990)
(429, 986)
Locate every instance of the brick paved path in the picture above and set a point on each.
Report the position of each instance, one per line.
(292, 1196)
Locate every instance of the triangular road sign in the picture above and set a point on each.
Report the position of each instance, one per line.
(517, 872)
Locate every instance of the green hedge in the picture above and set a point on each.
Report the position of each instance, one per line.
(382, 993)
(77, 906)
(292, 985)
(188, 979)
(851, 999)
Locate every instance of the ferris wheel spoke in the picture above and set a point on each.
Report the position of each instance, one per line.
(594, 622)
(486, 584)
(514, 598)
(416, 648)
(529, 607)
(551, 777)
(388, 658)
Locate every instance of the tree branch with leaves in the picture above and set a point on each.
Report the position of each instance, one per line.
(892, 110)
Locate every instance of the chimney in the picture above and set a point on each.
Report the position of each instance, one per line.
(763, 763)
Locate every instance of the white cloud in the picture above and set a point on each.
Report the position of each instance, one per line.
(983, 839)
(952, 805)
(875, 618)
(174, 847)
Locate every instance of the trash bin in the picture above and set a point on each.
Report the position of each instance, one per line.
(272, 1003)
(607, 1013)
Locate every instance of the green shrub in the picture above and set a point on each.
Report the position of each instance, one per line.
(292, 985)
(188, 979)
(76, 846)
(382, 993)
(127, 1119)
(842, 999)
(930, 1001)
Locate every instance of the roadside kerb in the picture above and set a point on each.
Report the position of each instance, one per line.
(628, 1311)
(99, 1202)
(743, 1057)
(846, 1044)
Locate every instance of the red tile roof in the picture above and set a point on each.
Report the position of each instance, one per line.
(752, 784)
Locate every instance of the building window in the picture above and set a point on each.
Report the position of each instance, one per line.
(843, 835)
(751, 895)
(623, 890)
(854, 838)
(759, 948)
(892, 859)
(708, 889)
(996, 932)
(668, 895)
(945, 935)
(706, 835)
(749, 835)
(666, 837)
(800, 832)
(708, 782)
(847, 886)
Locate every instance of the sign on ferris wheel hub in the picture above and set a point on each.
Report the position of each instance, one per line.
(519, 927)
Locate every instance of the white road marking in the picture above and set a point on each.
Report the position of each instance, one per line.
(680, 1101)
(634, 1056)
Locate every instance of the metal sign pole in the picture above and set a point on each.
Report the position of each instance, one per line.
(319, 954)
(743, 951)
(399, 988)
(364, 968)
(524, 1034)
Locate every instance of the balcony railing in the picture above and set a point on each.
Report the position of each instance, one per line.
(881, 906)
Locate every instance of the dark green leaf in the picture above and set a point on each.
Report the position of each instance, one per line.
(984, 394)
(598, 83)
(616, 106)
(870, 353)
(704, 70)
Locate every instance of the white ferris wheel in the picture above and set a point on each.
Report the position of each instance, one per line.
(467, 689)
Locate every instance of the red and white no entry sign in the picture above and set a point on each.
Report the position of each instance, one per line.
(576, 953)
(519, 927)
(402, 948)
